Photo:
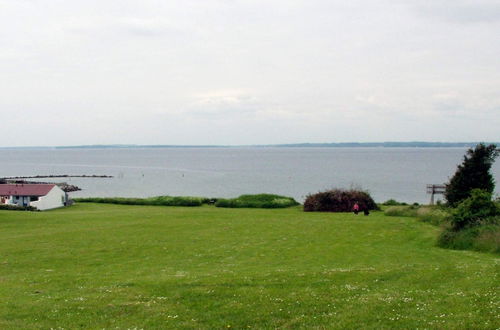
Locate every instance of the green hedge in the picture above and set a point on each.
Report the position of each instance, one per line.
(16, 207)
(159, 200)
(265, 201)
(393, 202)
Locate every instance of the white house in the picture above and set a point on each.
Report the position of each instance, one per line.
(41, 196)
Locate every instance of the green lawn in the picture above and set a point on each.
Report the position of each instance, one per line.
(124, 267)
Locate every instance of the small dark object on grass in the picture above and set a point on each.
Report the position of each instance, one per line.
(366, 212)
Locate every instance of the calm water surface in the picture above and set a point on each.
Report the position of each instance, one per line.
(399, 173)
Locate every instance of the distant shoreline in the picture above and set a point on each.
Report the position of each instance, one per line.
(415, 144)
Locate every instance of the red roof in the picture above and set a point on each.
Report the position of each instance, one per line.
(25, 189)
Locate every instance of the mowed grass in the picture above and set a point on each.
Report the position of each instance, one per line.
(98, 266)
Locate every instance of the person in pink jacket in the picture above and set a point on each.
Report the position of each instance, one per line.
(355, 208)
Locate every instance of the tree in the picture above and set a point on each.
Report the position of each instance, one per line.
(473, 173)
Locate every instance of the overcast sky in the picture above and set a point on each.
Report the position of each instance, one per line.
(248, 71)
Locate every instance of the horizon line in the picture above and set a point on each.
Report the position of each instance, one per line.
(300, 144)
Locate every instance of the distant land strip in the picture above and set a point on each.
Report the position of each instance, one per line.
(307, 145)
(384, 145)
(415, 144)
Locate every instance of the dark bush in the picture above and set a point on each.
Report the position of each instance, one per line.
(339, 200)
(265, 201)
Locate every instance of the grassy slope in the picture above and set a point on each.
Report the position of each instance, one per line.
(108, 266)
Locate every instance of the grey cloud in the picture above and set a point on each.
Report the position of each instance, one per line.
(225, 67)
(465, 12)
(126, 26)
(219, 105)
(465, 108)
(148, 27)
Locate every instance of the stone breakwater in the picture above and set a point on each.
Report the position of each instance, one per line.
(56, 176)
(63, 185)
(66, 187)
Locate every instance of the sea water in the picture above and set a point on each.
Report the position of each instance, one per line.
(398, 173)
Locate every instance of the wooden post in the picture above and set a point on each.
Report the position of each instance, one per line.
(434, 189)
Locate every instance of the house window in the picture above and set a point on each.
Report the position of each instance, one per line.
(34, 198)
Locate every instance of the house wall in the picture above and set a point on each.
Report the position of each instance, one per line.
(8, 200)
(55, 198)
(19, 200)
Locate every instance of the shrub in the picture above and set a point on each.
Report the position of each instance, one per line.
(9, 207)
(401, 211)
(434, 216)
(159, 200)
(474, 209)
(485, 238)
(339, 200)
(473, 173)
(175, 201)
(209, 201)
(488, 239)
(429, 214)
(393, 202)
(267, 201)
(111, 200)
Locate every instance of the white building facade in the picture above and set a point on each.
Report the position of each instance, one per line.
(40, 196)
